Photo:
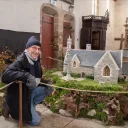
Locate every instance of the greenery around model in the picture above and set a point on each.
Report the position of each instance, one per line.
(80, 103)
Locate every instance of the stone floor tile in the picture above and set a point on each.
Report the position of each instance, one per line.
(41, 108)
(7, 123)
(82, 123)
(125, 126)
(18, 126)
(51, 120)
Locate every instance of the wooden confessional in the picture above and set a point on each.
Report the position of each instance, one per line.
(93, 32)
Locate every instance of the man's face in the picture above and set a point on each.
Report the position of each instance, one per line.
(34, 51)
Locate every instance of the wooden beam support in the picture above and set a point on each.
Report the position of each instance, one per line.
(121, 42)
(118, 39)
(20, 105)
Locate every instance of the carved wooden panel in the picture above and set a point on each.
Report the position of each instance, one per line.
(93, 32)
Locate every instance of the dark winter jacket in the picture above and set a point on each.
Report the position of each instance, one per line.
(19, 70)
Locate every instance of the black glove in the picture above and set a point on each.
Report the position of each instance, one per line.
(31, 82)
(43, 80)
(50, 90)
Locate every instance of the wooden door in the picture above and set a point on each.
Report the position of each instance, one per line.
(85, 37)
(96, 40)
(103, 39)
(47, 40)
(66, 33)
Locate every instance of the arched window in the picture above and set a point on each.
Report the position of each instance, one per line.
(106, 71)
(74, 63)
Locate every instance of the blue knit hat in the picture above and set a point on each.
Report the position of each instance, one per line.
(33, 41)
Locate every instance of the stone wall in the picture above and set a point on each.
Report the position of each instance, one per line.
(118, 12)
(24, 15)
(98, 71)
(86, 70)
(81, 8)
(110, 35)
(20, 15)
(121, 12)
(60, 16)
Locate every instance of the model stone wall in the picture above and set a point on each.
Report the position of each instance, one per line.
(86, 70)
(98, 71)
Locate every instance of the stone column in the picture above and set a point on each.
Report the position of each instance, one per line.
(58, 39)
(58, 36)
(126, 35)
(97, 7)
(125, 46)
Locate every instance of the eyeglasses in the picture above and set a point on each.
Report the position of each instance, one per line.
(36, 48)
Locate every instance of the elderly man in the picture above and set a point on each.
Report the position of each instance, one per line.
(27, 69)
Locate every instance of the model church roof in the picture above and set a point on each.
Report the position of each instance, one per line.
(91, 57)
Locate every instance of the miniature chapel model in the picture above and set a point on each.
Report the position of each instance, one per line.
(105, 66)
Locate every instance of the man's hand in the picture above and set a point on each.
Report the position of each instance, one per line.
(44, 80)
(31, 82)
(50, 90)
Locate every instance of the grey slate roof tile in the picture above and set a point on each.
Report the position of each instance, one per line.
(117, 57)
(91, 57)
(125, 68)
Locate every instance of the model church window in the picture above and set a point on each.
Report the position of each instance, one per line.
(106, 71)
(74, 64)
